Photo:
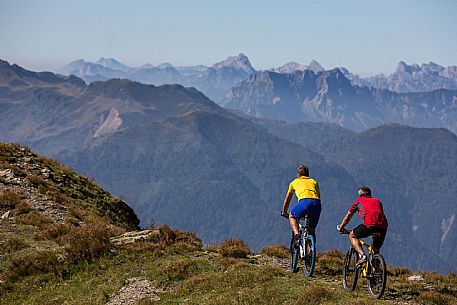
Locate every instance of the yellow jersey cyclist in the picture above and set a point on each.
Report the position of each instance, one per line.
(308, 193)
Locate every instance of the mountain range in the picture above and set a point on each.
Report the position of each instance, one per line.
(216, 80)
(329, 96)
(181, 159)
(213, 81)
(410, 78)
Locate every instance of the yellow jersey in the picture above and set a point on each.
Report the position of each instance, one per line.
(305, 187)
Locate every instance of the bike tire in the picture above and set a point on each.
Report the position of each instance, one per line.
(350, 271)
(293, 256)
(309, 260)
(376, 280)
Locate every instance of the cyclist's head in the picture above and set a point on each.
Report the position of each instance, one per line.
(364, 191)
(302, 170)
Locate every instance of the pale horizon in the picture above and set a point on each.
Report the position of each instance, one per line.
(366, 38)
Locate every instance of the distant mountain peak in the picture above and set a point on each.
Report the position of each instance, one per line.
(112, 64)
(403, 67)
(165, 65)
(315, 66)
(238, 62)
(293, 66)
(290, 67)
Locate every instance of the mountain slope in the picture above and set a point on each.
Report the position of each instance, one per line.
(207, 172)
(413, 172)
(330, 97)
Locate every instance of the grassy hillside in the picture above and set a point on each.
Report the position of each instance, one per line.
(170, 267)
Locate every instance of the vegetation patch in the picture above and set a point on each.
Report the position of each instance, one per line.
(277, 250)
(234, 248)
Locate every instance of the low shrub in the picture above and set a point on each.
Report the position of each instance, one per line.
(212, 248)
(234, 248)
(39, 262)
(168, 236)
(38, 182)
(34, 218)
(11, 198)
(89, 241)
(22, 208)
(331, 256)
(178, 269)
(277, 250)
(398, 271)
(54, 232)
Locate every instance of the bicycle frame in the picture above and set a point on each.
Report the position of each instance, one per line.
(303, 226)
(365, 270)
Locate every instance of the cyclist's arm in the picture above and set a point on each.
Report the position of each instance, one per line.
(346, 220)
(285, 206)
(318, 190)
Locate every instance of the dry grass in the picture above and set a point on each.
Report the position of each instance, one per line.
(234, 248)
(277, 250)
(178, 270)
(314, 296)
(33, 218)
(435, 298)
(38, 182)
(168, 236)
(11, 198)
(54, 232)
(39, 262)
(89, 241)
(22, 208)
(13, 244)
(330, 257)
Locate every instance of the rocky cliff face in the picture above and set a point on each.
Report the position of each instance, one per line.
(330, 97)
(47, 188)
(411, 78)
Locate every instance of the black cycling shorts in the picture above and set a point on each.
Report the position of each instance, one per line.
(362, 231)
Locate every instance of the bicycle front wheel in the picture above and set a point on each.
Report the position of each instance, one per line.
(350, 271)
(309, 259)
(377, 278)
(293, 255)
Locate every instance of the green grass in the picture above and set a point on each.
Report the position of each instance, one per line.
(199, 277)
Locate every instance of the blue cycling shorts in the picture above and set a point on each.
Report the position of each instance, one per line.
(307, 206)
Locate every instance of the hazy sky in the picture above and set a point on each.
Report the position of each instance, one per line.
(367, 37)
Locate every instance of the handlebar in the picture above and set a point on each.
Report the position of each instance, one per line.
(284, 214)
(344, 231)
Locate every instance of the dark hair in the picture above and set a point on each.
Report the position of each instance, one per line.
(303, 170)
(364, 191)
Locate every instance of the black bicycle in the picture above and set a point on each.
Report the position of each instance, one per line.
(306, 250)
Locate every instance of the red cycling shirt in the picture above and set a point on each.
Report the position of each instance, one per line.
(371, 211)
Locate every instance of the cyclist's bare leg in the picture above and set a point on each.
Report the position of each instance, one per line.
(293, 224)
(356, 243)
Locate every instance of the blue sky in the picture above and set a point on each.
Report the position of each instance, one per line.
(367, 37)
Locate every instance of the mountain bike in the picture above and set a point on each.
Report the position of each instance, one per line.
(306, 251)
(374, 270)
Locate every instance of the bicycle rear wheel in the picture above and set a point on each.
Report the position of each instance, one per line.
(377, 278)
(350, 271)
(309, 260)
(293, 255)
